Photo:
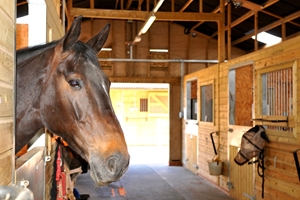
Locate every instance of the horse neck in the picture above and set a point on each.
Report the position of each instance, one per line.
(26, 54)
(31, 71)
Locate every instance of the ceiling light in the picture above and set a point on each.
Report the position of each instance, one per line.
(147, 25)
(159, 50)
(106, 49)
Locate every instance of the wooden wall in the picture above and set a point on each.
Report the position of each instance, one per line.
(281, 179)
(55, 28)
(7, 55)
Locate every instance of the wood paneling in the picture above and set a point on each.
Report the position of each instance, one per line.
(191, 152)
(281, 180)
(241, 177)
(7, 45)
(6, 102)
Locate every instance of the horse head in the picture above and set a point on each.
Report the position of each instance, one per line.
(74, 103)
(253, 142)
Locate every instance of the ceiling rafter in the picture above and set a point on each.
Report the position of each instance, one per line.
(268, 27)
(236, 22)
(142, 15)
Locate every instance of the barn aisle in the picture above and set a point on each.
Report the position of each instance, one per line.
(153, 182)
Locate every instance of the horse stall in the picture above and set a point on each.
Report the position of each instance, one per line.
(259, 88)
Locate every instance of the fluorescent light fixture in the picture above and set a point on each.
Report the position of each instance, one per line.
(148, 23)
(106, 49)
(158, 5)
(267, 38)
(159, 50)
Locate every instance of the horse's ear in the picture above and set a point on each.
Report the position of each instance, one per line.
(73, 34)
(97, 42)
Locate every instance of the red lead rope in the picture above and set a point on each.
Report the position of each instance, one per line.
(60, 177)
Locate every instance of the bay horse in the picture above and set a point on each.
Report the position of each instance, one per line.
(60, 86)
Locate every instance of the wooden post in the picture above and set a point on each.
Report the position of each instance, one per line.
(283, 31)
(256, 31)
(70, 18)
(229, 31)
(221, 35)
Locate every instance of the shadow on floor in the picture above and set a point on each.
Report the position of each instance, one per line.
(153, 182)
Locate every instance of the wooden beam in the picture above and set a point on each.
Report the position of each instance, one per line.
(142, 15)
(128, 4)
(198, 24)
(269, 3)
(250, 5)
(144, 79)
(236, 22)
(186, 5)
(229, 31)
(256, 31)
(116, 5)
(221, 31)
(268, 27)
(283, 31)
(71, 17)
(276, 16)
(200, 6)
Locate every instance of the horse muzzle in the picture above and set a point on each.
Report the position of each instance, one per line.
(105, 171)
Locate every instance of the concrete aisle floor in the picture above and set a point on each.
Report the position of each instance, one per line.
(153, 182)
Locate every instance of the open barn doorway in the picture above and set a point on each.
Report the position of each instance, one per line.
(143, 112)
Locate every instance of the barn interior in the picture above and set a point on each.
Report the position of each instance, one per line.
(222, 79)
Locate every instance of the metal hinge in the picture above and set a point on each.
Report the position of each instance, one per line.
(249, 196)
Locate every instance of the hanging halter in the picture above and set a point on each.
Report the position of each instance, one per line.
(252, 145)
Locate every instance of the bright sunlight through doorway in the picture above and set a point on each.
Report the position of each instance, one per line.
(143, 112)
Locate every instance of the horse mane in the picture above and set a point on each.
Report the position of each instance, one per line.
(25, 54)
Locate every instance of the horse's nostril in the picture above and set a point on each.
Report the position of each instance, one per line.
(111, 164)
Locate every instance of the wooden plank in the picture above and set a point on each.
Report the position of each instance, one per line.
(6, 167)
(6, 67)
(142, 15)
(53, 21)
(6, 131)
(6, 102)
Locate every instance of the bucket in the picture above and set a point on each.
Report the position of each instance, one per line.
(215, 168)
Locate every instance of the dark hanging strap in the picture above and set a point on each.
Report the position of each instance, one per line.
(261, 165)
(297, 162)
(260, 169)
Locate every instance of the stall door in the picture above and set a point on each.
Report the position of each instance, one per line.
(191, 152)
(240, 81)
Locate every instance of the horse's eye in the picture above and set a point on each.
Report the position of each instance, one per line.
(74, 83)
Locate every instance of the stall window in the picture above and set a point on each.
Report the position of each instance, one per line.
(206, 99)
(277, 98)
(191, 100)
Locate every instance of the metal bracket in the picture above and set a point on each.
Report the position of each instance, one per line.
(24, 183)
(47, 158)
(195, 166)
(229, 185)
